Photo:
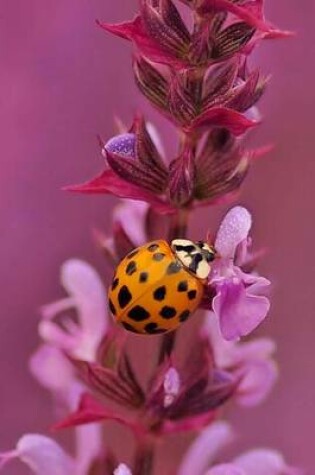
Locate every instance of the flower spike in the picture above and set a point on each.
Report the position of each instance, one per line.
(191, 62)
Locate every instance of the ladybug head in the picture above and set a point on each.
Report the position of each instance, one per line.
(195, 256)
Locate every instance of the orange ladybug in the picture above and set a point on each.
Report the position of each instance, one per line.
(157, 286)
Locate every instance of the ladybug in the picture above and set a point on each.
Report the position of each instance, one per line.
(157, 286)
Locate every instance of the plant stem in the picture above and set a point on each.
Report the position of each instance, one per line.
(167, 346)
(144, 458)
(178, 226)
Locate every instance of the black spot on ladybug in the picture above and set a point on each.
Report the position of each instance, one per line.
(115, 283)
(132, 254)
(168, 312)
(158, 256)
(131, 268)
(192, 294)
(184, 315)
(173, 268)
(159, 293)
(129, 327)
(112, 307)
(182, 286)
(143, 277)
(153, 328)
(138, 314)
(153, 247)
(124, 296)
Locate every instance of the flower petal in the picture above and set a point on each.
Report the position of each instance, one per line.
(205, 448)
(132, 217)
(89, 446)
(238, 311)
(264, 462)
(258, 379)
(226, 469)
(229, 354)
(123, 144)
(223, 350)
(233, 230)
(54, 372)
(88, 296)
(42, 455)
(122, 469)
(258, 349)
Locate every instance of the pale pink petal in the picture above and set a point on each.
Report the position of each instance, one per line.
(205, 448)
(56, 336)
(122, 469)
(89, 446)
(52, 309)
(231, 353)
(264, 462)
(258, 285)
(223, 350)
(226, 469)
(252, 361)
(88, 296)
(82, 282)
(172, 386)
(53, 371)
(42, 455)
(260, 348)
(132, 217)
(259, 377)
(51, 368)
(238, 311)
(233, 230)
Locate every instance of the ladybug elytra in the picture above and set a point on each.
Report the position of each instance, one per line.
(157, 286)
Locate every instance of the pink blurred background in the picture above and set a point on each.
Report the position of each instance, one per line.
(62, 81)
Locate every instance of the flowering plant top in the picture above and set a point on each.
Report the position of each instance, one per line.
(197, 74)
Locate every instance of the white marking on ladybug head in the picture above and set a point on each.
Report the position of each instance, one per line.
(194, 256)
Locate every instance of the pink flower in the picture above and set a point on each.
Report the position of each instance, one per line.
(42, 454)
(252, 362)
(87, 296)
(208, 445)
(240, 302)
